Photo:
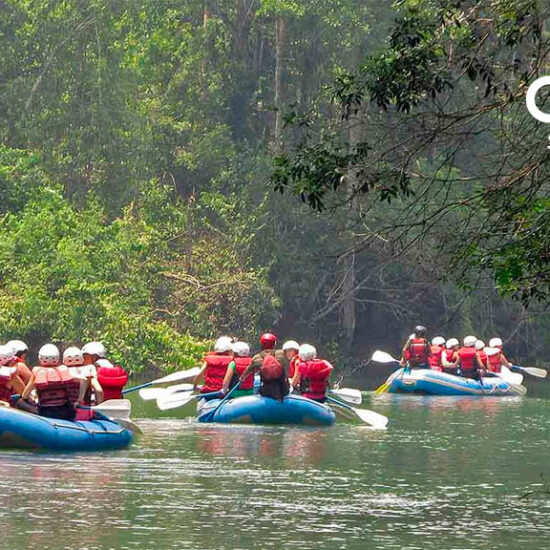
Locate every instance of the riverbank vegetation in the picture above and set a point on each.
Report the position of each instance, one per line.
(140, 144)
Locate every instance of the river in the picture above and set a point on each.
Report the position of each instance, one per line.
(449, 473)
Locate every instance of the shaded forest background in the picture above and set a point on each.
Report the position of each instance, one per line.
(137, 202)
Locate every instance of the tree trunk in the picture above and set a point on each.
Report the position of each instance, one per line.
(349, 309)
(279, 87)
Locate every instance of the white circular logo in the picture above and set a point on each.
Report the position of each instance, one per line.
(532, 96)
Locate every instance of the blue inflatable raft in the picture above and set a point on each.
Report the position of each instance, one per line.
(22, 430)
(255, 409)
(427, 381)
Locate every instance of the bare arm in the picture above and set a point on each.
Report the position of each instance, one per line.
(228, 376)
(29, 387)
(23, 372)
(505, 361)
(199, 376)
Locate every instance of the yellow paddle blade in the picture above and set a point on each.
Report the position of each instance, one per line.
(383, 388)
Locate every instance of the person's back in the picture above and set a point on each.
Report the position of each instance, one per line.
(313, 374)
(240, 363)
(467, 357)
(437, 349)
(10, 382)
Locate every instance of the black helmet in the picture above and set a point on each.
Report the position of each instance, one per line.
(420, 331)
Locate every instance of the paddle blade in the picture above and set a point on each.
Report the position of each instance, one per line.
(533, 371)
(511, 377)
(350, 395)
(148, 394)
(175, 400)
(115, 408)
(383, 357)
(374, 419)
(383, 388)
(177, 376)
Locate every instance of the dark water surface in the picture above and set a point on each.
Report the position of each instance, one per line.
(449, 473)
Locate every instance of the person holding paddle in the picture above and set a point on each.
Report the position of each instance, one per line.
(416, 352)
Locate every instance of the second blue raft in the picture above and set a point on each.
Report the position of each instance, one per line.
(426, 381)
(255, 409)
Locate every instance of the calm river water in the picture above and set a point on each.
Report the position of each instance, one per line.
(449, 473)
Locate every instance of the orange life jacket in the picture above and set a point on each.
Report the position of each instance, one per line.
(216, 367)
(52, 385)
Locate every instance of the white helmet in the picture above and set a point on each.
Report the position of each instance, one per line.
(73, 357)
(470, 341)
(104, 363)
(48, 355)
(94, 348)
(291, 344)
(480, 344)
(6, 354)
(223, 344)
(438, 341)
(452, 342)
(495, 343)
(18, 345)
(307, 352)
(241, 349)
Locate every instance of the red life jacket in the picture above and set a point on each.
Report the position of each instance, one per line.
(495, 362)
(241, 364)
(449, 354)
(419, 351)
(435, 358)
(216, 367)
(52, 385)
(467, 357)
(482, 357)
(292, 366)
(112, 380)
(271, 369)
(6, 375)
(314, 378)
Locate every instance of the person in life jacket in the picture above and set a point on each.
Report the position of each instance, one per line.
(272, 365)
(291, 348)
(481, 355)
(312, 374)
(112, 379)
(495, 356)
(19, 360)
(416, 352)
(214, 366)
(449, 358)
(240, 362)
(52, 383)
(10, 382)
(437, 349)
(467, 357)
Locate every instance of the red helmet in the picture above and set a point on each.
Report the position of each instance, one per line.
(268, 340)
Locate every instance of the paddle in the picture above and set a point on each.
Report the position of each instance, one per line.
(387, 384)
(177, 400)
(383, 357)
(115, 410)
(349, 395)
(532, 371)
(511, 377)
(376, 420)
(174, 377)
(150, 394)
(210, 415)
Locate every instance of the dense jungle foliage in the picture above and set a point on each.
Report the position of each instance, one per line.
(143, 145)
